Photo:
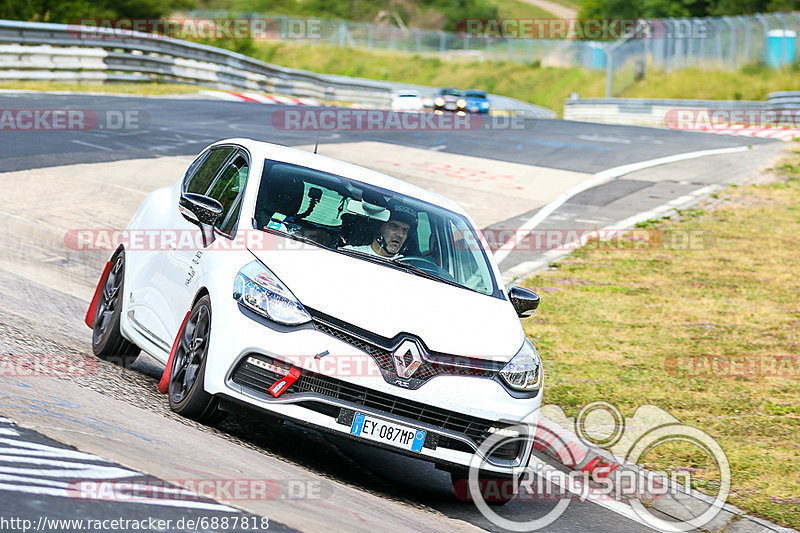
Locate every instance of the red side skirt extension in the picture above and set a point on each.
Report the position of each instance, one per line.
(163, 385)
(92, 312)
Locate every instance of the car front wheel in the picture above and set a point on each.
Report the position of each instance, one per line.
(187, 397)
(107, 340)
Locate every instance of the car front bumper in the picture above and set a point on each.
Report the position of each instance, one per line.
(456, 411)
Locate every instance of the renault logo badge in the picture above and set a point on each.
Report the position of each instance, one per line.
(407, 358)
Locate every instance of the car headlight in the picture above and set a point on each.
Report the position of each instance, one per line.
(258, 289)
(439, 101)
(524, 371)
(461, 102)
(484, 105)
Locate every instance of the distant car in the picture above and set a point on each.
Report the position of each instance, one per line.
(422, 353)
(449, 100)
(477, 101)
(407, 101)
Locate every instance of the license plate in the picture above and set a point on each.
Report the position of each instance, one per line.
(379, 430)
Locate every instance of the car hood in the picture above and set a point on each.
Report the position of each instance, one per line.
(387, 301)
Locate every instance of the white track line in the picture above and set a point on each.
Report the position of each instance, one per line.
(614, 506)
(529, 267)
(601, 177)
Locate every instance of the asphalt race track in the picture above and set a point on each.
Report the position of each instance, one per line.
(53, 181)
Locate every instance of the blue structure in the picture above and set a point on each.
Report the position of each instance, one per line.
(777, 40)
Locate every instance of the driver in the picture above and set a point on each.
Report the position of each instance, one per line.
(392, 234)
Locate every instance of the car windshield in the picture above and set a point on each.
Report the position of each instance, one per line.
(343, 214)
(475, 94)
(450, 92)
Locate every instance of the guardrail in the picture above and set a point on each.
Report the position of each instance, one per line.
(784, 100)
(647, 111)
(56, 51)
(41, 51)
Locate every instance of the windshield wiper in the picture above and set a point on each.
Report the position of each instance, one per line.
(422, 272)
(411, 269)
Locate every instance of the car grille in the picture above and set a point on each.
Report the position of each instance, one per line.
(380, 349)
(260, 379)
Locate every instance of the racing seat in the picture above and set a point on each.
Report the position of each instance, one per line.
(279, 194)
(356, 230)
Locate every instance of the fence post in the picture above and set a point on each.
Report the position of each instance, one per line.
(609, 69)
(442, 38)
(702, 53)
(284, 31)
(370, 36)
(765, 25)
(419, 41)
(746, 23)
(731, 44)
(784, 38)
(670, 44)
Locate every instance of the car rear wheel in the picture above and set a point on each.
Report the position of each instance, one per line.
(107, 340)
(187, 397)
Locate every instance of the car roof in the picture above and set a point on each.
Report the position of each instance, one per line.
(475, 92)
(276, 152)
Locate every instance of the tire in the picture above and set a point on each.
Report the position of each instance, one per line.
(187, 397)
(498, 496)
(107, 340)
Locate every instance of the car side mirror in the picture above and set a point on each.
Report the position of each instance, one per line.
(203, 211)
(525, 302)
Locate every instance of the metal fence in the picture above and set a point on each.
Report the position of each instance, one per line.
(724, 43)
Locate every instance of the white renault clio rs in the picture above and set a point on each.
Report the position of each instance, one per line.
(326, 294)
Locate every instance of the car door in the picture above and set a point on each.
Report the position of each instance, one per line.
(183, 266)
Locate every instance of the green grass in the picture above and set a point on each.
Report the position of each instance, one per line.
(546, 86)
(752, 82)
(613, 321)
(143, 89)
(423, 14)
(509, 9)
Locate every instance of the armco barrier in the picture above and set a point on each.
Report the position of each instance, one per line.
(644, 111)
(784, 100)
(40, 51)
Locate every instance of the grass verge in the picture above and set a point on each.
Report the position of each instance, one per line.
(546, 86)
(143, 89)
(632, 326)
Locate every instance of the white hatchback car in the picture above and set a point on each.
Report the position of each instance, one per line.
(276, 286)
(407, 101)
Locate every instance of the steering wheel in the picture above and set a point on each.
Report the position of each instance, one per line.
(427, 265)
